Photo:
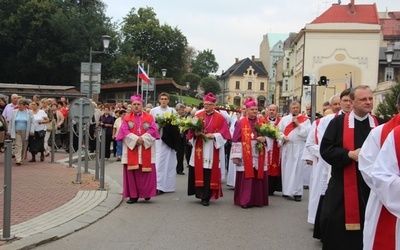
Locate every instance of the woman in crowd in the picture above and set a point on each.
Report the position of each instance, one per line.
(107, 122)
(117, 126)
(58, 118)
(20, 128)
(49, 112)
(3, 124)
(36, 141)
(64, 129)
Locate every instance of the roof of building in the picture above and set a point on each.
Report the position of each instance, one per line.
(42, 90)
(363, 13)
(288, 42)
(241, 66)
(274, 38)
(391, 26)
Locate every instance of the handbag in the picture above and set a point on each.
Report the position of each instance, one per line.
(41, 133)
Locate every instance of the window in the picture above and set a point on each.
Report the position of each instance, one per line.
(249, 87)
(286, 85)
(388, 74)
(287, 63)
(262, 86)
(237, 85)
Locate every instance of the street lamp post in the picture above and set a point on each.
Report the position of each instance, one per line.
(106, 43)
(389, 53)
(164, 74)
(187, 87)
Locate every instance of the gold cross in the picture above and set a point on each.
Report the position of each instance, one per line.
(198, 151)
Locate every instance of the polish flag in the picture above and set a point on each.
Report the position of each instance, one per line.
(143, 75)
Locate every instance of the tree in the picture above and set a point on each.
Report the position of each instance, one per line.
(204, 64)
(161, 46)
(45, 42)
(209, 84)
(387, 108)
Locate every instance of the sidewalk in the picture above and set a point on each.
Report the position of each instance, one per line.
(47, 205)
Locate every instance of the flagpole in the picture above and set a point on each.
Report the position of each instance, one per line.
(141, 85)
(137, 83)
(148, 85)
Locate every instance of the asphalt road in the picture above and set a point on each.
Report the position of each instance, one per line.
(177, 221)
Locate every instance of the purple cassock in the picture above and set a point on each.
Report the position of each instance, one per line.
(136, 183)
(248, 191)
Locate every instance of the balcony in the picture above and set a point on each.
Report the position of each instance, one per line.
(286, 73)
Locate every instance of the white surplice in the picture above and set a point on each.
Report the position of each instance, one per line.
(381, 173)
(314, 192)
(165, 157)
(231, 177)
(292, 151)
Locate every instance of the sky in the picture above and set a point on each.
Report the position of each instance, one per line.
(233, 28)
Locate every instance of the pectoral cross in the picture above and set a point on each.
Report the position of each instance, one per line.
(198, 152)
(246, 132)
(252, 136)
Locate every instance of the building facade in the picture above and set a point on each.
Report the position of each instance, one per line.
(245, 78)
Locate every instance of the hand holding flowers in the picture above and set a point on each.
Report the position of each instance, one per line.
(265, 130)
(194, 124)
(166, 118)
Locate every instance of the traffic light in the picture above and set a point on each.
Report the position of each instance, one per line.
(306, 80)
(322, 81)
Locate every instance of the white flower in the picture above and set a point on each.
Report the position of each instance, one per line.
(195, 120)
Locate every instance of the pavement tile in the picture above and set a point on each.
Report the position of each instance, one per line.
(41, 188)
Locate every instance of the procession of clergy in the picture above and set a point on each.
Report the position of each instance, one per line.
(351, 162)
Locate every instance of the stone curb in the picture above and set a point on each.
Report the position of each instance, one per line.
(86, 208)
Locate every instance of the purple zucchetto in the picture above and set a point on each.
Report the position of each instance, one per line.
(250, 103)
(209, 98)
(137, 98)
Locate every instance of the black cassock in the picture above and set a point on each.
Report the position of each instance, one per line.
(332, 220)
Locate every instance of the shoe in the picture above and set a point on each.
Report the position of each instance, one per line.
(119, 159)
(160, 192)
(146, 199)
(47, 154)
(181, 173)
(205, 203)
(132, 200)
(42, 158)
(245, 207)
(306, 187)
(32, 160)
(297, 198)
(18, 163)
(285, 196)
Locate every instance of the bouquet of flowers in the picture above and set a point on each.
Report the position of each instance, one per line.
(266, 130)
(166, 118)
(195, 124)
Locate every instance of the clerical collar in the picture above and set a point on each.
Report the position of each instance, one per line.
(359, 118)
(272, 119)
(138, 114)
(210, 113)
